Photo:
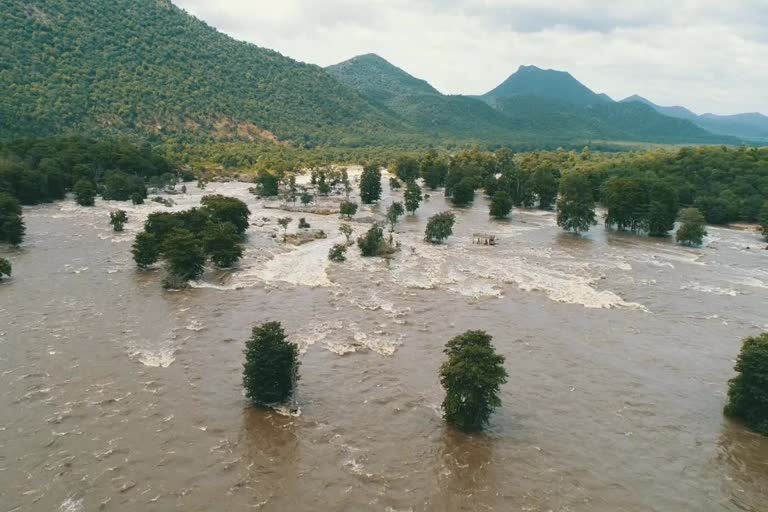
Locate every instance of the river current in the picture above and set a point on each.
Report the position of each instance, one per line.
(118, 395)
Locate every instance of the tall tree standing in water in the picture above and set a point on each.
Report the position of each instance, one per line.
(412, 197)
(271, 365)
(370, 184)
(11, 224)
(576, 206)
(471, 376)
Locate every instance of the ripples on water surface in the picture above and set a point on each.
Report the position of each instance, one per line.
(116, 394)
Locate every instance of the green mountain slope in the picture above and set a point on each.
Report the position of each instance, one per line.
(146, 67)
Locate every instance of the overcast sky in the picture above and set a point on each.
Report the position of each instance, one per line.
(708, 55)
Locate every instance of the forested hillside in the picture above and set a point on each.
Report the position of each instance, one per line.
(146, 68)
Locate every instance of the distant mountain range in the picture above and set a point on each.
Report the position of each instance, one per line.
(752, 126)
(532, 104)
(146, 69)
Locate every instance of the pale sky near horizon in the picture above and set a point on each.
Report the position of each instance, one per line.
(707, 55)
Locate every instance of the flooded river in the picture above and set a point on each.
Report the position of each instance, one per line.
(117, 395)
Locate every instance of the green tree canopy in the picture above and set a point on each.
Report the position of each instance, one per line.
(501, 205)
(11, 224)
(412, 197)
(271, 365)
(472, 377)
(370, 184)
(576, 206)
(748, 391)
(221, 242)
(85, 192)
(692, 229)
(439, 227)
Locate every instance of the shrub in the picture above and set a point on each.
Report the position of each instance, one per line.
(748, 391)
(371, 244)
(85, 193)
(146, 250)
(5, 268)
(463, 193)
(348, 209)
(118, 219)
(337, 253)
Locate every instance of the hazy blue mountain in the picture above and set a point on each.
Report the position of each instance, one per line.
(750, 126)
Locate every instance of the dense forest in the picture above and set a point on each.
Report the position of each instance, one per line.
(145, 68)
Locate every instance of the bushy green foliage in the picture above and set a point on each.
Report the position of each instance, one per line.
(406, 168)
(184, 254)
(501, 205)
(412, 197)
(439, 227)
(472, 377)
(120, 186)
(85, 192)
(463, 193)
(337, 253)
(576, 206)
(372, 243)
(692, 229)
(5, 268)
(348, 209)
(370, 184)
(271, 365)
(268, 184)
(11, 223)
(118, 219)
(146, 250)
(395, 184)
(221, 242)
(434, 170)
(227, 209)
(137, 198)
(748, 391)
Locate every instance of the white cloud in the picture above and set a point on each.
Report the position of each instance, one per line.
(708, 55)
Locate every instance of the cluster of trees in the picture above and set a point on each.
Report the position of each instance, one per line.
(42, 170)
(472, 375)
(186, 239)
(748, 391)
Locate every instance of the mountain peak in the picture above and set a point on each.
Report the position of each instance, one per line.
(531, 80)
(377, 78)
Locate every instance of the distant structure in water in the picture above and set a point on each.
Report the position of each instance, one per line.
(483, 239)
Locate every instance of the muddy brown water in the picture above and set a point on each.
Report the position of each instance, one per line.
(117, 395)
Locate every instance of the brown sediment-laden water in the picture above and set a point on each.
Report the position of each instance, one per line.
(118, 395)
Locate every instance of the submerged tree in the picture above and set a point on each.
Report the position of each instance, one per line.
(371, 243)
(748, 391)
(576, 206)
(370, 184)
(346, 230)
(85, 192)
(348, 209)
(395, 184)
(284, 221)
(463, 193)
(11, 223)
(146, 250)
(137, 198)
(693, 229)
(306, 198)
(221, 242)
(118, 219)
(501, 205)
(406, 168)
(337, 253)
(394, 212)
(471, 376)
(5, 268)
(271, 365)
(227, 209)
(412, 197)
(439, 227)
